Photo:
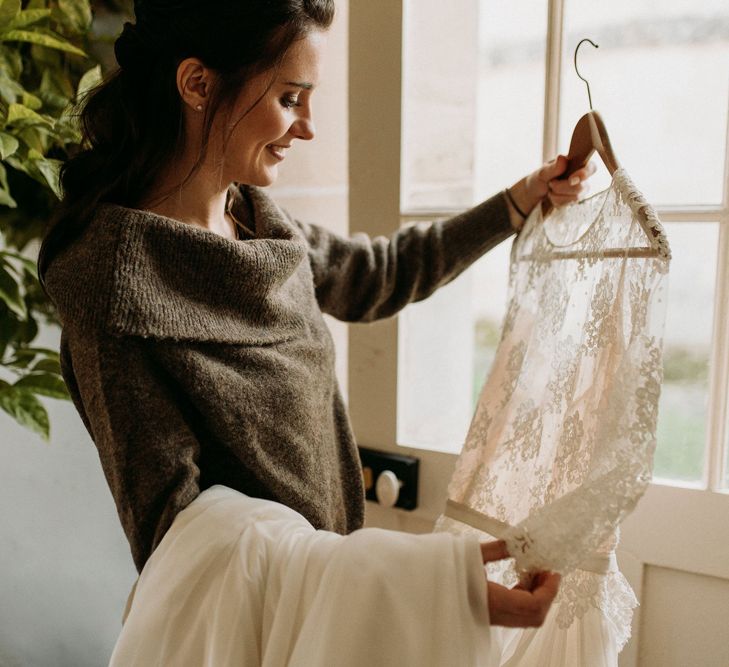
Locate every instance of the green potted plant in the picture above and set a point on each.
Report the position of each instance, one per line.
(45, 67)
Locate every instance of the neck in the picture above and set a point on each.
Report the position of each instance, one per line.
(201, 202)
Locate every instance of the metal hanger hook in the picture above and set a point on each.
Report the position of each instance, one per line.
(589, 96)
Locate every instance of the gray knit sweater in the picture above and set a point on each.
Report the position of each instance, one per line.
(195, 360)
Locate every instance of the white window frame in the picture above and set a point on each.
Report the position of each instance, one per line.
(672, 526)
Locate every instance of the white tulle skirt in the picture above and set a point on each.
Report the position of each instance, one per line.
(590, 642)
(248, 582)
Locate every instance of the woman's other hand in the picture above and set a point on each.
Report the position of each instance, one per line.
(521, 606)
(545, 182)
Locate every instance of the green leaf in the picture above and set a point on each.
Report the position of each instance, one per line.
(25, 408)
(15, 163)
(76, 14)
(52, 42)
(54, 354)
(28, 263)
(54, 86)
(28, 16)
(48, 365)
(51, 171)
(35, 138)
(19, 112)
(6, 199)
(8, 328)
(10, 293)
(9, 11)
(44, 384)
(89, 80)
(66, 130)
(23, 356)
(27, 330)
(29, 167)
(10, 90)
(31, 101)
(8, 145)
(11, 61)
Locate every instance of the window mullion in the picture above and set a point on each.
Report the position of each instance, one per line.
(553, 68)
(375, 95)
(719, 369)
(716, 442)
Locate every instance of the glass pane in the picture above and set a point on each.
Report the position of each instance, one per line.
(488, 305)
(510, 124)
(659, 80)
(446, 344)
(689, 319)
(473, 84)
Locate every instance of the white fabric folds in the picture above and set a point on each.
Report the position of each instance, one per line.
(249, 582)
(561, 445)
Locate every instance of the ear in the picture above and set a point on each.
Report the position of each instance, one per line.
(194, 82)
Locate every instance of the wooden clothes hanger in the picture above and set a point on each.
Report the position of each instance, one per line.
(589, 136)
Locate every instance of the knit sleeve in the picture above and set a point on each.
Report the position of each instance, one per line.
(361, 279)
(147, 450)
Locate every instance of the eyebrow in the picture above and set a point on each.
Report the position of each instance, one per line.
(305, 86)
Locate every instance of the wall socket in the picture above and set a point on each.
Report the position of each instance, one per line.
(406, 469)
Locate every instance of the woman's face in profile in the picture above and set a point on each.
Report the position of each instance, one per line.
(261, 140)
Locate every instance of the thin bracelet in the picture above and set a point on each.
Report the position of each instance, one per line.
(513, 203)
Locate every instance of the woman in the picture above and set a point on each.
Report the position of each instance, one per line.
(193, 342)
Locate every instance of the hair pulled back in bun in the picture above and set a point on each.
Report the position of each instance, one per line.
(132, 122)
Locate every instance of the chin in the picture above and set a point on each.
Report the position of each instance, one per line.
(264, 179)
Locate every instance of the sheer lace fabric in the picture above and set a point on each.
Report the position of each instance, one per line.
(561, 445)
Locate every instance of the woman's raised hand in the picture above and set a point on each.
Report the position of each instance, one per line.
(545, 182)
(521, 606)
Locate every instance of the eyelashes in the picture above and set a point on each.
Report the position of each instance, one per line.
(289, 101)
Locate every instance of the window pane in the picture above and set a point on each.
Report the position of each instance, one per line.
(687, 343)
(473, 86)
(510, 92)
(659, 80)
(446, 345)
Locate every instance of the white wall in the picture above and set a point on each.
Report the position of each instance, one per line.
(65, 562)
(685, 620)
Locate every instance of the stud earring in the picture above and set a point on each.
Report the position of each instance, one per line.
(199, 107)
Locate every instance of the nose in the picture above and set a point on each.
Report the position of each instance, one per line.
(304, 129)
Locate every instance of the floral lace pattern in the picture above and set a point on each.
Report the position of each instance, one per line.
(561, 446)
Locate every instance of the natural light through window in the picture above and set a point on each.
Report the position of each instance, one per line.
(660, 82)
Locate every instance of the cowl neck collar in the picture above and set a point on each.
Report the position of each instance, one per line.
(154, 276)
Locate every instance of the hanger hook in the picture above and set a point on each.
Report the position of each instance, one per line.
(589, 96)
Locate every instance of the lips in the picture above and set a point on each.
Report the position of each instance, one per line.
(278, 151)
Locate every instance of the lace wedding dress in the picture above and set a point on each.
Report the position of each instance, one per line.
(561, 445)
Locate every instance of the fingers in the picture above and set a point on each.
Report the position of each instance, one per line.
(546, 587)
(572, 189)
(518, 608)
(494, 551)
(553, 169)
(585, 172)
(546, 182)
(573, 194)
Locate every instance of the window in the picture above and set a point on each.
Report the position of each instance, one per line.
(659, 81)
(413, 380)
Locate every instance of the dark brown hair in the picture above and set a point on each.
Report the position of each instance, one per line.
(132, 122)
